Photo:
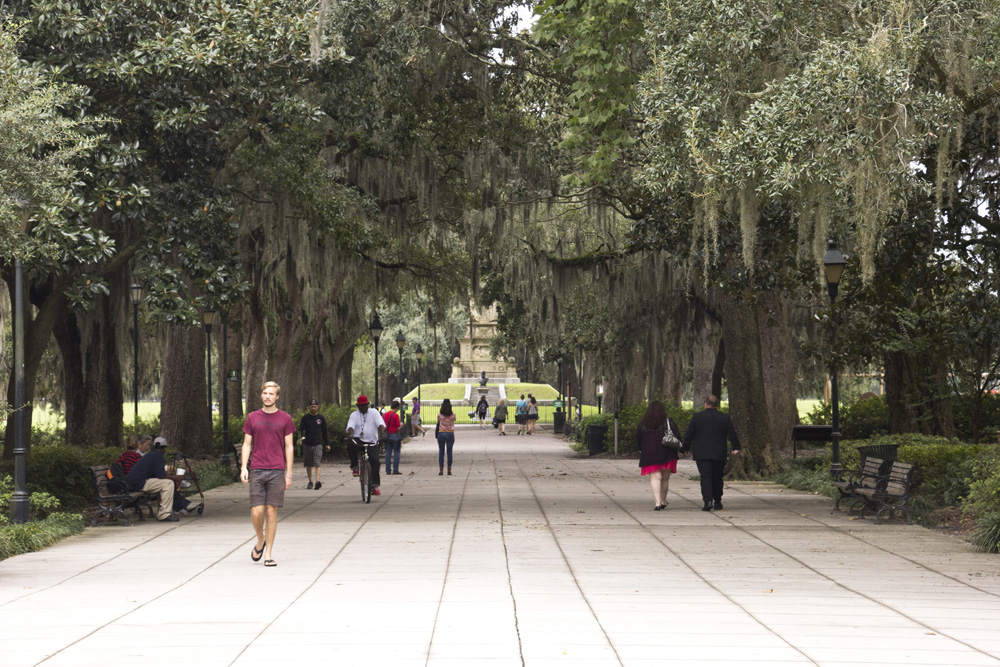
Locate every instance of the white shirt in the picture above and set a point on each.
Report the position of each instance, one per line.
(366, 425)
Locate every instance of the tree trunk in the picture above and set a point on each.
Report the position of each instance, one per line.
(705, 355)
(185, 416)
(92, 374)
(719, 372)
(747, 392)
(673, 375)
(233, 360)
(37, 334)
(778, 362)
(342, 369)
(916, 393)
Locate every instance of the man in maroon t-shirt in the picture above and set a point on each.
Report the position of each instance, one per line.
(268, 451)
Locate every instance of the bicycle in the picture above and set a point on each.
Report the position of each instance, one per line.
(364, 465)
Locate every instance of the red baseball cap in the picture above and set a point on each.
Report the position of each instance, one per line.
(362, 400)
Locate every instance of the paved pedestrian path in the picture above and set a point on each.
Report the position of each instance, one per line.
(527, 555)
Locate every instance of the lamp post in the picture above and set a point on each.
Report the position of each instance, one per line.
(579, 400)
(135, 293)
(375, 329)
(559, 380)
(834, 263)
(224, 459)
(400, 342)
(20, 501)
(420, 355)
(208, 318)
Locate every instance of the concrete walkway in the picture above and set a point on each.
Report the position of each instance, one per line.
(527, 555)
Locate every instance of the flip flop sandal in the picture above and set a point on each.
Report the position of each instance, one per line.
(256, 555)
(270, 563)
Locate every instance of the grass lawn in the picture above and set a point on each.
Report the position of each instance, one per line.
(542, 392)
(44, 417)
(806, 406)
(438, 392)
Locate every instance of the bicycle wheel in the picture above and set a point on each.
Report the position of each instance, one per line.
(366, 478)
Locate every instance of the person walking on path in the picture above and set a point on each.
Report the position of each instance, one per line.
(268, 450)
(312, 426)
(393, 438)
(445, 434)
(483, 412)
(705, 438)
(531, 415)
(656, 460)
(520, 414)
(415, 420)
(370, 427)
(500, 416)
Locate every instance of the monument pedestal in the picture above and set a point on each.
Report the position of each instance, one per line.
(474, 353)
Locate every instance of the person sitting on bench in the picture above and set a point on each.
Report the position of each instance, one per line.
(134, 452)
(149, 474)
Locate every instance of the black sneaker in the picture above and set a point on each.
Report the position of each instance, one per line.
(309, 485)
(718, 505)
(707, 507)
(318, 484)
(169, 517)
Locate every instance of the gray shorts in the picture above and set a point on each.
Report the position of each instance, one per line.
(312, 455)
(267, 487)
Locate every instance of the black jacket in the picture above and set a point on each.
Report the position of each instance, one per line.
(706, 435)
(150, 466)
(651, 449)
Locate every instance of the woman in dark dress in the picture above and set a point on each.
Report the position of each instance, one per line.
(656, 460)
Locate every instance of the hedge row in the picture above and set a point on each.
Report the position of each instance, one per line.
(949, 473)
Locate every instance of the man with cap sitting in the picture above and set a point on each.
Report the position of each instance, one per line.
(149, 474)
(312, 426)
(370, 428)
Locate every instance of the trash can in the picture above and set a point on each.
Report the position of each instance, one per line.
(558, 420)
(595, 438)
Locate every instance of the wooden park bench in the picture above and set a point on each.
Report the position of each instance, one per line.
(890, 495)
(114, 504)
(867, 477)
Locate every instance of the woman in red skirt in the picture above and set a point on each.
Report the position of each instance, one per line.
(656, 460)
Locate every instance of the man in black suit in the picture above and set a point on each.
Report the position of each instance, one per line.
(705, 438)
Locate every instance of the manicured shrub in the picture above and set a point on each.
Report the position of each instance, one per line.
(36, 535)
(61, 470)
(942, 478)
(807, 474)
(865, 418)
(986, 537)
(629, 417)
(969, 413)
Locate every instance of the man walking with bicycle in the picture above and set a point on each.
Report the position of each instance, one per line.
(370, 428)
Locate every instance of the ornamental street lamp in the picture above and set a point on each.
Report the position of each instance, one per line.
(375, 329)
(400, 342)
(208, 319)
(20, 501)
(224, 459)
(579, 400)
(420, 355)
(834, 263)
(135, 293)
